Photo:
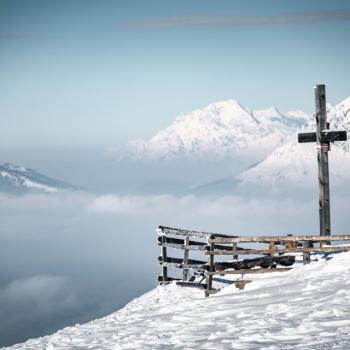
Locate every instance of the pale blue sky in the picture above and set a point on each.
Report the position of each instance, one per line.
(95, 73)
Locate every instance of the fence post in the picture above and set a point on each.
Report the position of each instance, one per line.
(306, 255)
(164, 257)
(186, 253)
(209, 278)
(234, 247)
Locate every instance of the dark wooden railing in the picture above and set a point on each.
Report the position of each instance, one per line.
(270, 254)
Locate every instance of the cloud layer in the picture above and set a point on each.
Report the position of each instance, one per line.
(44, 300)
(238, 21)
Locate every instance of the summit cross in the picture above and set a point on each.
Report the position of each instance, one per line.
(323, 137)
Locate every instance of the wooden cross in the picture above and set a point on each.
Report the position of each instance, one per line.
(323, 136)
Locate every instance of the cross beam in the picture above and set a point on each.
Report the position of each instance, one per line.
(323, 136)
(326, 136)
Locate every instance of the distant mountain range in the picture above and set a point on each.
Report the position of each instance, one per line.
(222, 149)
(221, 130)
(292, 166)
(15, 179)
(265, 141)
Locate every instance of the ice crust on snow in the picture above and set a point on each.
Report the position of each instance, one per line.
(305, 308)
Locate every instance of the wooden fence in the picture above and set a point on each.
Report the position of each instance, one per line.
(268, 254)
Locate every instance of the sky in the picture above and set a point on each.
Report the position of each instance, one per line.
(94, 73)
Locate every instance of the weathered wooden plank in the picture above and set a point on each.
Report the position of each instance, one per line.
(304, 137)
(178, 263)
(164, 230)
(250, 271)
(168, 279)
(326, 136)
(268, 239)
(183, 266)
(241, 252)
(183, 247)
(225, 247)
(222, 280)
(179, 243)
(191, 284)
(333, 135)
(264, 262)
(280, 251)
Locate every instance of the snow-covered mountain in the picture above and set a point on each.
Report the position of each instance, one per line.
(292, 165)
(306, 308)
(295, 165)
(16, 179)
(220, 130)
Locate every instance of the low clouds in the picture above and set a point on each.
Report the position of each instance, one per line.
(238, 21)
(29, 305)
(228, 206)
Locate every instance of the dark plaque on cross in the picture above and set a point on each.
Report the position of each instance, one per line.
(323, 137)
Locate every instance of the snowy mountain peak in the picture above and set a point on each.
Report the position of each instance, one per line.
(219, 130)
(13, 167)
(345, 104)
(295, 165)
(16, 179)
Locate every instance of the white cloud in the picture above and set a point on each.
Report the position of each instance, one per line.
(38, 300)
(237, 21)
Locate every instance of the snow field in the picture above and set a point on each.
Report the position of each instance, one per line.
(305, 308)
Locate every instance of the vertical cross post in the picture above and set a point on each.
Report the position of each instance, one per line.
(164, 258)
(185, 271)
(322, 158)
(323, 137)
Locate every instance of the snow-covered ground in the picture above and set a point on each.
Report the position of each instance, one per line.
(305, 308)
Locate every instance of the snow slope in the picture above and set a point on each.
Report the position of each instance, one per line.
(292, 167)
(16, 179)
(295, 165)
(305, 308)
(220, 130)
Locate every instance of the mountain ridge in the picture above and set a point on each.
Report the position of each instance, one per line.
(15, 179)
(292, 165)
(219, 130)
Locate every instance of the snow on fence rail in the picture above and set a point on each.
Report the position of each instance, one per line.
(271, 258)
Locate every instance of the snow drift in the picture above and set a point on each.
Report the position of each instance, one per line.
(305, 308)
